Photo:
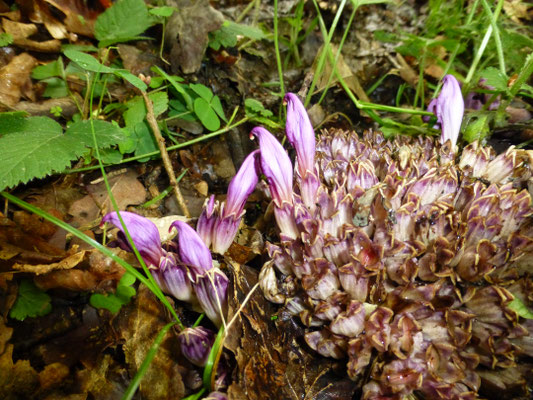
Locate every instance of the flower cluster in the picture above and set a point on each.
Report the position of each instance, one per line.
(402, 257)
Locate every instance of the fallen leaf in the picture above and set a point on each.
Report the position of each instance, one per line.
(52, 375)
(75, 280)
(73, 10)
(66, 263)
(21, 32)
(17, 380)
(139, 326)
(43, 15)
(13, 76)
(187, 33)
(202, 188)
(103, 381)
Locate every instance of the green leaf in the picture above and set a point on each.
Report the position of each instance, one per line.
(520, 308)
(110, 156)
(34, 147)
(53, 69)
(107, 134)
(134, 80)
(253, 106)
(201, 90)
(175, 82)
(122, 296)
(248, 31)
(5, 39)
(55, 88)
(123, 21)
(110, 302)
(217, 106)
(87, 48)
(31, 302)
(164, 12)
(207, 116)
(137, 109)
(87, 62)
(494, 77)
(145, 141)
(477, 126)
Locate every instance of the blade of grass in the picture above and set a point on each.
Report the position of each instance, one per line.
(212, 360)
(136, 381)
(496, 32)
(276, 48)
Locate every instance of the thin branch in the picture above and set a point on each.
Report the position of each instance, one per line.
(150, 117)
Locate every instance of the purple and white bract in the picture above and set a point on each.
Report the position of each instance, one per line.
(216, 396)
(218, 224)
(449, 107)
(408, 260)
(196, 343)
(301, 136)
(211, 290)
(193, 251)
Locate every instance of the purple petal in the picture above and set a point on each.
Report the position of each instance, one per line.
(276, 166)
(211, 290)
(193, 251)
(205, 223)
(449, 110)
(224, 231)
(196, 343)
(300, 133)
(143, 232)
(216, 396)
(242, 185)
(172, 278)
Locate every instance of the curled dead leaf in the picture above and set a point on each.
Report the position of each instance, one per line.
(67, 263)
(13, 76)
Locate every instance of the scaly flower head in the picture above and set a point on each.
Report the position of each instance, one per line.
(196, 343)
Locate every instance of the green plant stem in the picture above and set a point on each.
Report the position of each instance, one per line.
(169, 148)
(136, 381)
(522, 77)
(325, 49)
(481, 49)
(496, 32)
(339, 49)
(214, 355)
(276, 47)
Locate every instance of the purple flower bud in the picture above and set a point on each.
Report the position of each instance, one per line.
(205, 223)
(449, 108)
(242, 185)
(216, 396)
(276, 166)
(172, 278)
(211, 290)
(196, 343)
(192, 250)
(300, 133)
(143, 232)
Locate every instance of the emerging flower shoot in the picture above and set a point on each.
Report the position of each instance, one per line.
(196, 343)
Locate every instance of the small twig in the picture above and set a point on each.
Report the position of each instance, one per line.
(150, 117)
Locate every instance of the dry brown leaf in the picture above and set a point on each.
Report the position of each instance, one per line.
(73, 10)
(101, 382)
(73, 279)
(18, 30)
(139, 327)
(52, 375)
(43, 15)
(202, 188)
(13, 76)
(17, 380)
(516, 10)
(67, 263)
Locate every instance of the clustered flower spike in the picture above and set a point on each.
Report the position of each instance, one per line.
(218, 224)
(182, 267)
(449, 108)
(407, 264)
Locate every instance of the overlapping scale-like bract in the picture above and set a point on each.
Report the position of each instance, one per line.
(407, 263)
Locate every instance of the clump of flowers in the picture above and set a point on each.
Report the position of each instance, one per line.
(402, 257)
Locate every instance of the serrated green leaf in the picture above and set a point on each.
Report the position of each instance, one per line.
(106, 133)
(145, 141)
(256, 107)
(55, 88)
(34, 147)
(248, 31)
(110, 156)
(175, 82)
(201, 90)
(137, 109)
(31, 302)
(494, 77)
(477, 126)
(5, 39)
(207, 116)
(125, 20)
(520, 308)
(163, 11)
(87, 62)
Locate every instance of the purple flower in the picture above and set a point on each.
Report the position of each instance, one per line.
(192, 250)
(218, 224)
(168, 272)
(275, 165)
(143, 232)
(196, 344)
(216, 396)
(449, 108)
(211, 290)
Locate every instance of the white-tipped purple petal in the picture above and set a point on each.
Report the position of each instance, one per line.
(192, 250)
(275, 165)
(196, 343)
(172, 278)
(205, 223)
(143, 232)
(449, 109)
(211, 290)
(300, 133)
(242, 185)
(224, 231)
(216, 396)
